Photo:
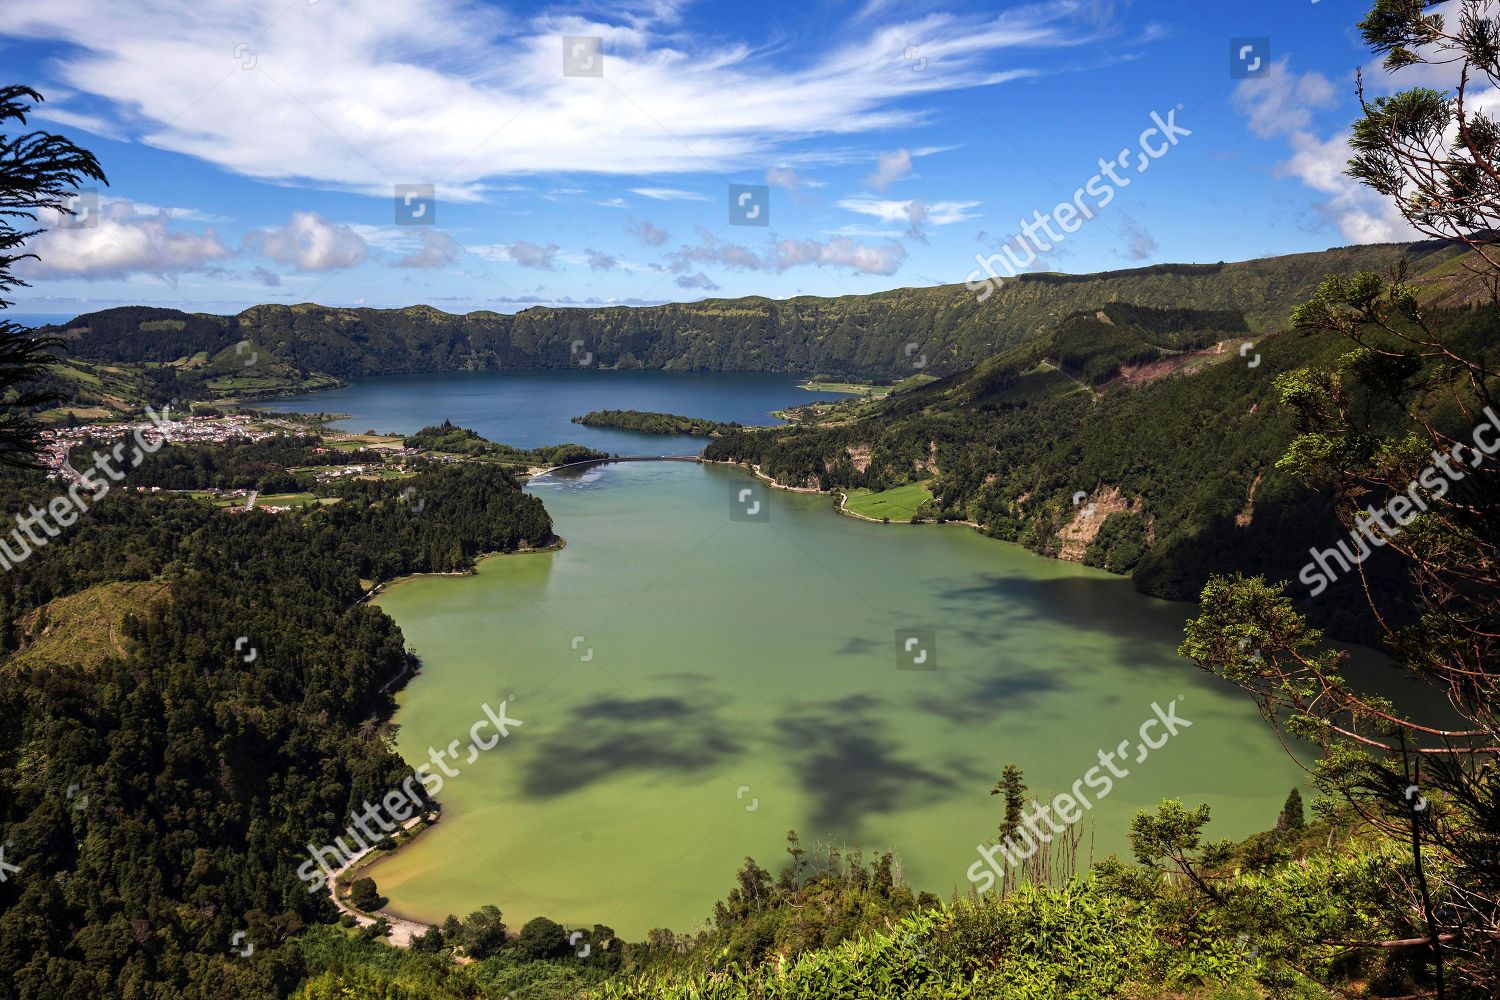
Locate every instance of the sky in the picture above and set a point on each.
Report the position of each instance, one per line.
(470, 154)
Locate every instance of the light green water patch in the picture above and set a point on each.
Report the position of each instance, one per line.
(692, 686)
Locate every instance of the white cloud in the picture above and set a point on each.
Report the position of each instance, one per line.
(781, 255)
(789, 179)
(364, 94)
(309, 242)
(176, 213)
(669, 194)
(647, 232)
(867, 231)
(598, 260)
(840, 251)
(918, 213)
(534, 255)
(395, 239)
(438, 249)
(890, 168)
(699, 281)
(125, 241)
(73, 119)
(713, 250)
(540, 257)
(1283, 104)
(1139, 243)
(937, 213)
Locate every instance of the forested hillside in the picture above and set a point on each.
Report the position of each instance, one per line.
(1178, 473)
(856, 335)
(160, 773)
(195, 693)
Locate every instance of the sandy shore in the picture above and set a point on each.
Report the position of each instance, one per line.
(402, 930)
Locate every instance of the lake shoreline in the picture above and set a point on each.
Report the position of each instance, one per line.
(482, 557)
(403, 930)
(839, 507)
(1007, 575)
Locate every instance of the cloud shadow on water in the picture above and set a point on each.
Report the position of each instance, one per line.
(982, 699)
(984, 609)
(613, 736)
(848, 762)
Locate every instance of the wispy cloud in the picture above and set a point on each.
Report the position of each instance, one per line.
(669, 194)
(711, 249)
(937, 213)
(782, 255)
(50, 111)
(365, 94)
(522, 253)
(1282, 104)
(788, 179)
(647, 232)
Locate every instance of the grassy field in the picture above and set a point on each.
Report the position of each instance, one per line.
(84, 629)
(354, 442)
(862, 400)
(898, 504)
(851, 388)
(913, 382)
(288, 500)
(266, 500)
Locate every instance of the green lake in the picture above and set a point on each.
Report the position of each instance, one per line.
(691, 686)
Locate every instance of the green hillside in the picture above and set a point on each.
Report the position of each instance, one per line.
(1167, 475)
(90, 389)
(941, 329)
(1285, 914)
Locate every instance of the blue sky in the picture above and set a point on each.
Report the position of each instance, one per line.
(254, 148)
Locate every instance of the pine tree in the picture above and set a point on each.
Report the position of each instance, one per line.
(38, 171)
(1013, 786)
(1292, 818)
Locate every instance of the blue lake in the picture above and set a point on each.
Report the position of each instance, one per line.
(527, 409)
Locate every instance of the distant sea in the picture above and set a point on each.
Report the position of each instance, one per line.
(34, 319)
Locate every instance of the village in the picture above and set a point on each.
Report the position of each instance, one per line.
(388, 455)
(57, 443)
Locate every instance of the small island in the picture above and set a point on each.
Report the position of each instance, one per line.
(449, 439)
(646, 422)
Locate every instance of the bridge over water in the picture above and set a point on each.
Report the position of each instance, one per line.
(619, 458)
